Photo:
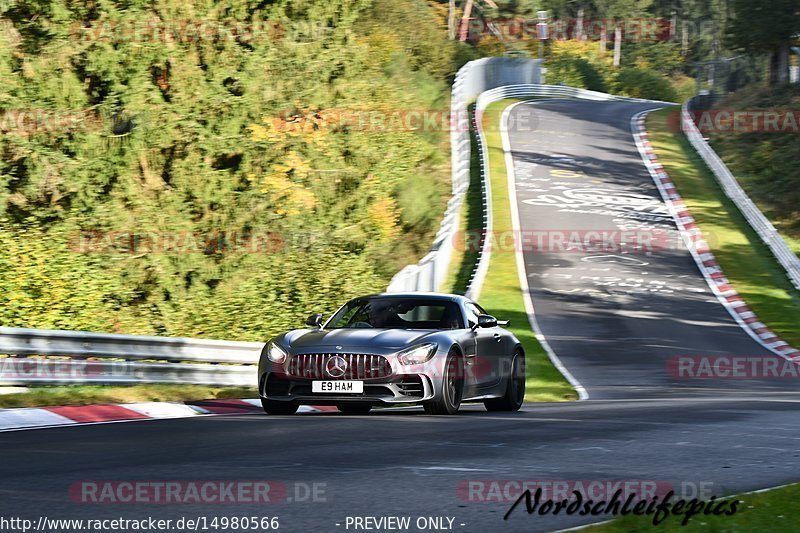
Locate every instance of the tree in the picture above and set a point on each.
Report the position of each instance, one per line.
(766, 27)
(620, 11)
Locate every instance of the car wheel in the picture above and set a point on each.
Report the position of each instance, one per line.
(272, 407)
(449, 398)
(515, 389)
(354, 408)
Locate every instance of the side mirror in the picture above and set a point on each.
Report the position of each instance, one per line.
(315, 321)
(486, 321)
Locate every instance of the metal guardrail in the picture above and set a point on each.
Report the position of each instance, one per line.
(197, 361)
(551, 91)
(763, 227)
(471, 80)
(30, 371)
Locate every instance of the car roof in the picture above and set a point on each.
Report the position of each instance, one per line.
(425, 295)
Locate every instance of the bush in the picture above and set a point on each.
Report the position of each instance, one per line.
(575, 72)
(641, 83)
(192, 137)
(765, 162)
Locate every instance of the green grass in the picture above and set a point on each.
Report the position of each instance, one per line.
(501, 294)
(746, 261)
(793, 242)
(93, 394)
(463, 260)
(766, 511)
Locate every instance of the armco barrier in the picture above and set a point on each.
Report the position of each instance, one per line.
(471, 80)
(763, 227)
(168, 359)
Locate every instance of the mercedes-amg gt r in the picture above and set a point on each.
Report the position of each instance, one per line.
(395, 349)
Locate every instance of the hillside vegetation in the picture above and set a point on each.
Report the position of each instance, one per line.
(764, 161)
(226, 137)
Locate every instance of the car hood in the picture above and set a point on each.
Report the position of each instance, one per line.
(305, 340)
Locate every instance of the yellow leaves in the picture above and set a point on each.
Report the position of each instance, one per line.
(306, 128)
(265, 133)
(310, 126)
(28, 70)
(381, 48)
(383, 215)
(290, 198)
(589, 50)
(294, 164)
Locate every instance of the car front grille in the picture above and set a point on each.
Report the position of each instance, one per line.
(357, 366)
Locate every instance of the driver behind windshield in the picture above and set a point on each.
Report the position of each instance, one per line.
(412, 314)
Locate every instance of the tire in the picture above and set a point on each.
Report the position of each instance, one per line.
(354, 408)
(272, 407)
(449, 398)
(515, 388)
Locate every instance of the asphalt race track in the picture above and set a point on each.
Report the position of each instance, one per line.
(614, 321)
(581, 171)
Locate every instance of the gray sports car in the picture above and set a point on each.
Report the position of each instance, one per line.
(393, 349)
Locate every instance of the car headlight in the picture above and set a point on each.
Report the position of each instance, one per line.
(417, 354)
(275, 353)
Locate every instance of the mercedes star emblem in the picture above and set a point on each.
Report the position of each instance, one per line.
(336, 366)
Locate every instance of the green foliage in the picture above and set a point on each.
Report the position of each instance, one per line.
(765, 162)
(176, 123)
(575, 72)
(662, 57)
(761, 26)
(579, 64)
(642, 83)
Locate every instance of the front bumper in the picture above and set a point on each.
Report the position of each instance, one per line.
(395, 389)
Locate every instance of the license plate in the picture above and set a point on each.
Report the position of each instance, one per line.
(346, 387)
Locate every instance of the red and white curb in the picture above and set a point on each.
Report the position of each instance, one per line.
(43, 417)
(698, 247)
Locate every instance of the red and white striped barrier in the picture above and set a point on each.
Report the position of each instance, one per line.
(44, 417)
(706, 262)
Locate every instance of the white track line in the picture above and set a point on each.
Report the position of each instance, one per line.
(521, 273)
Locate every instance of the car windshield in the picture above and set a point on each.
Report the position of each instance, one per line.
(403, 313)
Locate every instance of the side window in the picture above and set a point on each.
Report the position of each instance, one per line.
(472, 313)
